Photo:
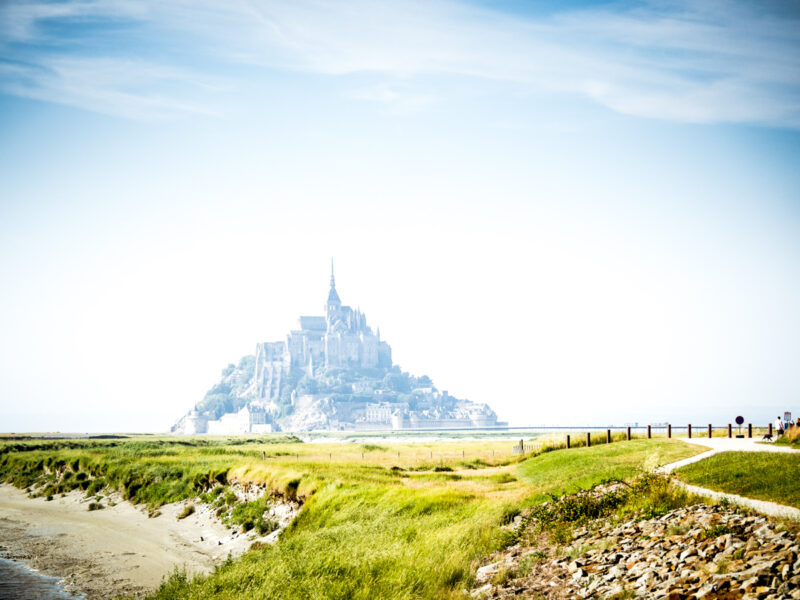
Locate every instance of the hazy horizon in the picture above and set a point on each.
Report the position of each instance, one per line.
(584, 214)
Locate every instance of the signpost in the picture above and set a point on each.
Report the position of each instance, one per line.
(740, 422)
(787, 417)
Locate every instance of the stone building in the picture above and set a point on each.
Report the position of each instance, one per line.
(341, 338)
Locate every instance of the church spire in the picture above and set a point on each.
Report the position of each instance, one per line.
(333, 297)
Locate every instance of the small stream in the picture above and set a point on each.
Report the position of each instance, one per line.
(18, 582)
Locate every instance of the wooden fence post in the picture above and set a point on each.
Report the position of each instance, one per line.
(749, 430)
(608, 436)
(709, 430)
(770, 430)
(669, 431)
(730, 430)
(689, 431)
(649, 432)
(629, 434)
(588, 438)
(567, 441)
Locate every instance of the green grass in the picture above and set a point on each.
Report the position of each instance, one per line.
(363, 542)
(401, 521)
(759, 475)
(569, 471)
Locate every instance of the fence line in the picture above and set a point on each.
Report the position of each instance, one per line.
(708, 431)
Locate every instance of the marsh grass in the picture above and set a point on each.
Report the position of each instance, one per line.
(385, 525)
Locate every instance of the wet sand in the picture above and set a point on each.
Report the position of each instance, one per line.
(114, 551)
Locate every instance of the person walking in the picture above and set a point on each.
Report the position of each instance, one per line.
(779, 426)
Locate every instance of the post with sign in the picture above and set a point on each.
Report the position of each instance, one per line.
(740, 422)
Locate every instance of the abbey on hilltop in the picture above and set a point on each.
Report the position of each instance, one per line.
(332, 373)
(341, 338)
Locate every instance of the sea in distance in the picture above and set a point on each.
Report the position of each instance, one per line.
(18, 582)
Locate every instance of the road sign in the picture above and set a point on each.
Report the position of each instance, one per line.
(787, 416)
(739, 420)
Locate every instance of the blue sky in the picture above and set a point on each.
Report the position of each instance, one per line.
(583, 205)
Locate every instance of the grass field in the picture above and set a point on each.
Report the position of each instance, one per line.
(397, 521)
(759, 475)
(583, 468)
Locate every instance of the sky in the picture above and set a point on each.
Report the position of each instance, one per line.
(580, 213)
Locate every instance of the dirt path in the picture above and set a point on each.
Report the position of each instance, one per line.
(718, 445)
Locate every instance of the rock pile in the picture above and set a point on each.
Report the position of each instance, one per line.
(700, 551)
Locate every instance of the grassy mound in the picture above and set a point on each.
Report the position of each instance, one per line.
(760, 475)
(570, 471)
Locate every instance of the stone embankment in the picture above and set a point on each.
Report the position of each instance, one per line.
(700, 551)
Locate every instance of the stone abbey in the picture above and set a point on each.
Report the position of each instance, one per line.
(331, 373)
(341, 338)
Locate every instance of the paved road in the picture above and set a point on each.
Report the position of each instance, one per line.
(717, 445)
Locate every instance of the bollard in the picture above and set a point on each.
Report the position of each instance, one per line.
(649, 432)
(709, 430)
(669, 431)
(588, 439)
(567, 441)
(730, 430)
(629, 434)
(608, 436)
(749, 430)
(770, 430)
(689, 431)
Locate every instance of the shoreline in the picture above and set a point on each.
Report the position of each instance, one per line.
(114, 551)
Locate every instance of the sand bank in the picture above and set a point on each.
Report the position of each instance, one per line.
(117, 550)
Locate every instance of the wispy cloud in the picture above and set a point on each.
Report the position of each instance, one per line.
(683, 61)
(121, 87)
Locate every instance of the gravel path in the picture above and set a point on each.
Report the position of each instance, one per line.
(718, 445)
